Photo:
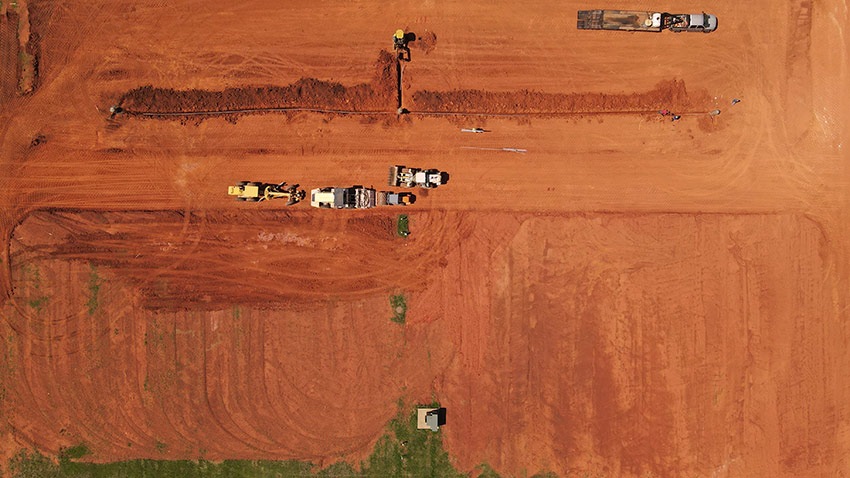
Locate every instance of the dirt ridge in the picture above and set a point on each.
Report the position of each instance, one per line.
(670, 94)
(379, 94)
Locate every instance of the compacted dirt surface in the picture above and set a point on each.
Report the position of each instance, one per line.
(597, 290)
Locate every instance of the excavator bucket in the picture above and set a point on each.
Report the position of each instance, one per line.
(392, 179)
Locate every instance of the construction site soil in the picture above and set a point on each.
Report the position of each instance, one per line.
(597, 291)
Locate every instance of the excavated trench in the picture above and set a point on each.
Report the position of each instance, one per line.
(668, 94)
(383, 95)
(399, 67)
(309, 93)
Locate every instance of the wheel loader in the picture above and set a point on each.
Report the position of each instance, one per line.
(253, 191)
(402, 176)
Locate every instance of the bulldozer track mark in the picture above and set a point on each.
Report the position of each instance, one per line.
(164, 271)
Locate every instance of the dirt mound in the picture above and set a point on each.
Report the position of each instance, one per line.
(425, 42)
(670, 94)
(379, 94)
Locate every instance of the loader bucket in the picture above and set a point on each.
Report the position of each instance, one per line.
(392, 179)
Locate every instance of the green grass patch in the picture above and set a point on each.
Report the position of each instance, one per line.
(38, 303)
(398, 305)
(486, 471)
(74, 453)
(35, 465)
(94, 289)
(403, 451)
(31, 274)
(406, 451)
(402, 225)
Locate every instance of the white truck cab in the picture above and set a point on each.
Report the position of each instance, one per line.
(704, 22)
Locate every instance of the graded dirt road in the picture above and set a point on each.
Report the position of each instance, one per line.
(630, 296)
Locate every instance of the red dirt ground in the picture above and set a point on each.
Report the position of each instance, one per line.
(630, 297)
(10, 66)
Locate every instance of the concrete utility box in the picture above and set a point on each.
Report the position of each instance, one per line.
(430, 418)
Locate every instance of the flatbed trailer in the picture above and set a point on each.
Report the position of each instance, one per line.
(629, 20)
(640, 21)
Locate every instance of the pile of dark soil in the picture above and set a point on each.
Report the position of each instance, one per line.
(670, 94)
(378, 95)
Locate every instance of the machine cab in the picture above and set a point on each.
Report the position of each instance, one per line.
(704, 22)
(323, 197)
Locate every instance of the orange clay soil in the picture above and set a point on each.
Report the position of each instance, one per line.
(629, 297)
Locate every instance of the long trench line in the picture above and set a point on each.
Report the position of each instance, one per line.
(554, 114)
(401, 110)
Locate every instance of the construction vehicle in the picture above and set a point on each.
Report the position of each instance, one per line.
(402, 176)
(629, 20)
(389, 198)
(400, 40)
(256, 191)
(355, 197)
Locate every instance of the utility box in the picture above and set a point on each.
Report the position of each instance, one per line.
(430, 418)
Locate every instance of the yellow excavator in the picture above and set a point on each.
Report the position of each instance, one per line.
(255, 191)
(400, 40)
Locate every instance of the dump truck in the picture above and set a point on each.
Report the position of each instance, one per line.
(402, 176)
(355, 197)
(631, 20)
(389, 198)
(255, 191)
